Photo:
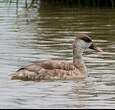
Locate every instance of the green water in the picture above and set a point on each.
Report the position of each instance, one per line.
(47, 33)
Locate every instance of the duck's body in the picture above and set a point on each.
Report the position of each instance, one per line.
(56, 70)
(48, 70)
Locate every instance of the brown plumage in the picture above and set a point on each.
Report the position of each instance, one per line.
(57, 70)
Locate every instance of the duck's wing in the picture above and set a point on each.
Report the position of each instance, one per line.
(50, 65)
(44, 70)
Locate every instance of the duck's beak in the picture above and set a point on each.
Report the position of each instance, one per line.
(92, 46)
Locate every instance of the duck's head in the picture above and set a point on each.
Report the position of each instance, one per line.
(84, 42)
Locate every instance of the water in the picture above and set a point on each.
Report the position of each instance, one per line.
(28, 35)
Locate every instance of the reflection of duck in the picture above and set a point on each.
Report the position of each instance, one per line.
(47, 70)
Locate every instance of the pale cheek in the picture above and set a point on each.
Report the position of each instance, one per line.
(82, 45)
(86, 46)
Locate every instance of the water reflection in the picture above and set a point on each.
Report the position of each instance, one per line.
(46, 33)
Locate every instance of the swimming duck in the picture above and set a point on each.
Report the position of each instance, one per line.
(59, 70)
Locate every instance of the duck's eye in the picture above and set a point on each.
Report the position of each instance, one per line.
(86, 39)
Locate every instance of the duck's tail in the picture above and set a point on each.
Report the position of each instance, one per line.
(24, 74)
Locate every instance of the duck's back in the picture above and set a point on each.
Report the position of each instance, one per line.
(47, 70)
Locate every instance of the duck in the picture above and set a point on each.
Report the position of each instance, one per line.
(60, 70)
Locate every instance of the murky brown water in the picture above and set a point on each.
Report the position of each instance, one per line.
(28, 35)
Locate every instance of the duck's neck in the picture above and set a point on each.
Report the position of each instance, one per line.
(78, 61)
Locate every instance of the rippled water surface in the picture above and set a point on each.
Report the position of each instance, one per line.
(47, 33)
